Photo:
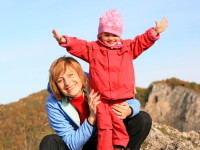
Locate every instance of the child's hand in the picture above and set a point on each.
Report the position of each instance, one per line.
(160, 27)
(59, 38)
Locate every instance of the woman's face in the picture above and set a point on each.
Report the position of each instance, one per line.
(110, 39)
(69, 83)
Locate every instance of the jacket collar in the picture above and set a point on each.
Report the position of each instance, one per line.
(68, 107)
(117, 46)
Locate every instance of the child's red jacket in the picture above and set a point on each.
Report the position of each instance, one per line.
(111, 71)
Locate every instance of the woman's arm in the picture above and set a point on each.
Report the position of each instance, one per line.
(135, 105)
(63, 125)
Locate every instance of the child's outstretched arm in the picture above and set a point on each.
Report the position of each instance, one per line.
(59, 38)
(160, 27)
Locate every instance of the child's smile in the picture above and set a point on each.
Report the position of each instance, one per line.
(110, 39)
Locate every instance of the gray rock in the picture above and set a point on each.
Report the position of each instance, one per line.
(177, 106)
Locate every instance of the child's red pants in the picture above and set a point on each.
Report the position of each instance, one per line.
(111, 129)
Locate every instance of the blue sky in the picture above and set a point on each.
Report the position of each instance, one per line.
(27, 47)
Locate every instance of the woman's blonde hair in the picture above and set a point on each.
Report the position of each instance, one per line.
(59, 66)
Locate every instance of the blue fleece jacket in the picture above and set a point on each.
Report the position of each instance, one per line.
(65, 125)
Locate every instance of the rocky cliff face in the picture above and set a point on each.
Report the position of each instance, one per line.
(178, 107)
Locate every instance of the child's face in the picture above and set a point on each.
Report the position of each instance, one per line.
(110, 39)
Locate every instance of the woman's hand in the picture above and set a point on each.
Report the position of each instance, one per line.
(93, 101)
(59, 38)
(121, 110)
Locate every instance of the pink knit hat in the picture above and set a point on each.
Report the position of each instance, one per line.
(111, 22)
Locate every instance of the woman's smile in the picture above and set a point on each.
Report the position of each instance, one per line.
(69, 83)
(70, 88)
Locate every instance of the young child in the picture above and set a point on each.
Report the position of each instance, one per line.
(111, 71)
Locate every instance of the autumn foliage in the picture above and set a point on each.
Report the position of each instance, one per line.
(24, 123)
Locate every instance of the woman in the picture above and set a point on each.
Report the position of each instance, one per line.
(72, 113)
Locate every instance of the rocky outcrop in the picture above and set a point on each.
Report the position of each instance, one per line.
(162, 137)
(177, 106)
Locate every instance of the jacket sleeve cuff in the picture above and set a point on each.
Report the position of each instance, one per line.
(90, 124)
(67, 43)
(151, 35)
(131, 113)
(134, 104)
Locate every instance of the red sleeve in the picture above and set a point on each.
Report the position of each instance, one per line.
(143, 42)
(77, 47)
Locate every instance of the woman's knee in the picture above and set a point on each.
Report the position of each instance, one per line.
(146, 120)
(141, 121)
(52, 142)
(49, 138)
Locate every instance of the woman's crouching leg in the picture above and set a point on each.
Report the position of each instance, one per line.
(52, 142)
(138, 129)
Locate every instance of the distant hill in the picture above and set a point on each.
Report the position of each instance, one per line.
(177, 82)
(24, 123)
